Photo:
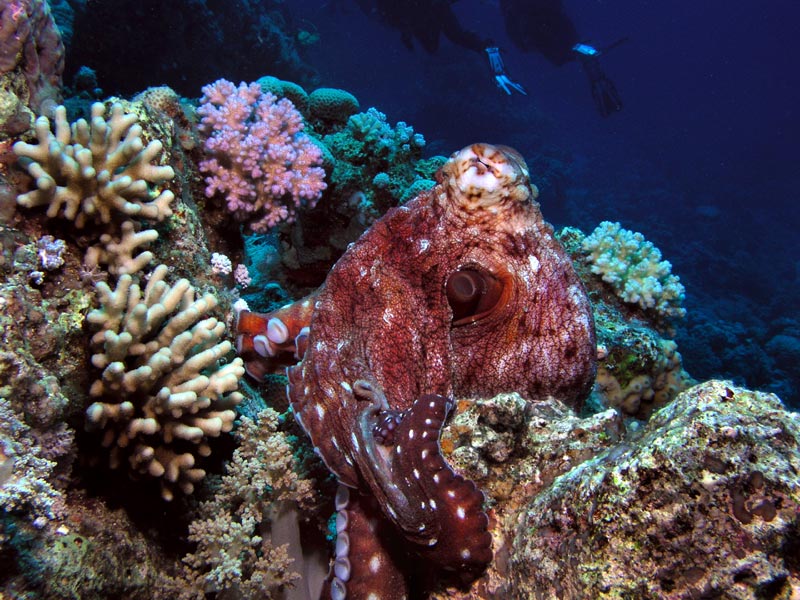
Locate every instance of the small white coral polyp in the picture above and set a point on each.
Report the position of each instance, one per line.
(633, 267)
(95, 172)
(163, 391)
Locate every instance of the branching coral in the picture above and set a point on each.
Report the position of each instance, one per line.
(377, 163)
(233, 550)
(95, 172)
(634, 268)
(260, 159)
(162, 392)
(119, 255)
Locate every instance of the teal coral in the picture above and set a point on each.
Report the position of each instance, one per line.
(635, 269)
(378, 160)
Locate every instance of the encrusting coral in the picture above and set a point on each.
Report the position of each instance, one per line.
(162, 392)
(702, 502)
(639, 380)
(90, 171)
(25, 467)
(634, 268)
(31, 62)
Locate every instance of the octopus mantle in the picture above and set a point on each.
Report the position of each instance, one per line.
(462, 292)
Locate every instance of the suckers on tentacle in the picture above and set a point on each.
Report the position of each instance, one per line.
(462, 292)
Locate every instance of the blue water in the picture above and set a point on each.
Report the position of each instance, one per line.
(704, 159)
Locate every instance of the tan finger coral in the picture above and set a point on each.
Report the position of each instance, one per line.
(95, 172)
(163, 392)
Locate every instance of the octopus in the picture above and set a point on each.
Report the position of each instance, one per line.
(463, 292)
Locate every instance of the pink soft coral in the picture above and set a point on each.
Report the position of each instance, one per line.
(260, 159)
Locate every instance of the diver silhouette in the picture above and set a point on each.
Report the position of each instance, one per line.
(532, 25)
(424, 21)
(542, 26)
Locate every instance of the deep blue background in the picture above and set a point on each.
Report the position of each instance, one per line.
(704, 159)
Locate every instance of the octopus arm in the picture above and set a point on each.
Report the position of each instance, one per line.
(268, 342)
(437, 510)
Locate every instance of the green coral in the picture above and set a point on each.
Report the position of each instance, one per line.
(379, 160)
(332, 104)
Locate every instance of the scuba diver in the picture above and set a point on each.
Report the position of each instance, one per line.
(424, 21)
(542, 26)
(533, 25)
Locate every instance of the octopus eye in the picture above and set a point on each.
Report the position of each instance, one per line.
(473, 294)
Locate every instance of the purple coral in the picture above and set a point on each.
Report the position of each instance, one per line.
(259, 158)
(30, 44)
(50, 252)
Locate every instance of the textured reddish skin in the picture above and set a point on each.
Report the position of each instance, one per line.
(383, 315)
(383, 318)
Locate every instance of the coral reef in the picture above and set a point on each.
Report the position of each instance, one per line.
(668, 493)
(368, 147)
(634, 268)
(31, 63)
(161, 394)
(744, 341)
(92, 171)
(703, 501)
(59, 543)
(235, 552)
(260, 160)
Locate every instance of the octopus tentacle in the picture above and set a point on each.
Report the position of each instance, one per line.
(436, 509)
(318, 429)
(362, 566)
(375, 459)
(269, 341)
(463, 541)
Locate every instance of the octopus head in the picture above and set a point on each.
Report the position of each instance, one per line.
(482, 176)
